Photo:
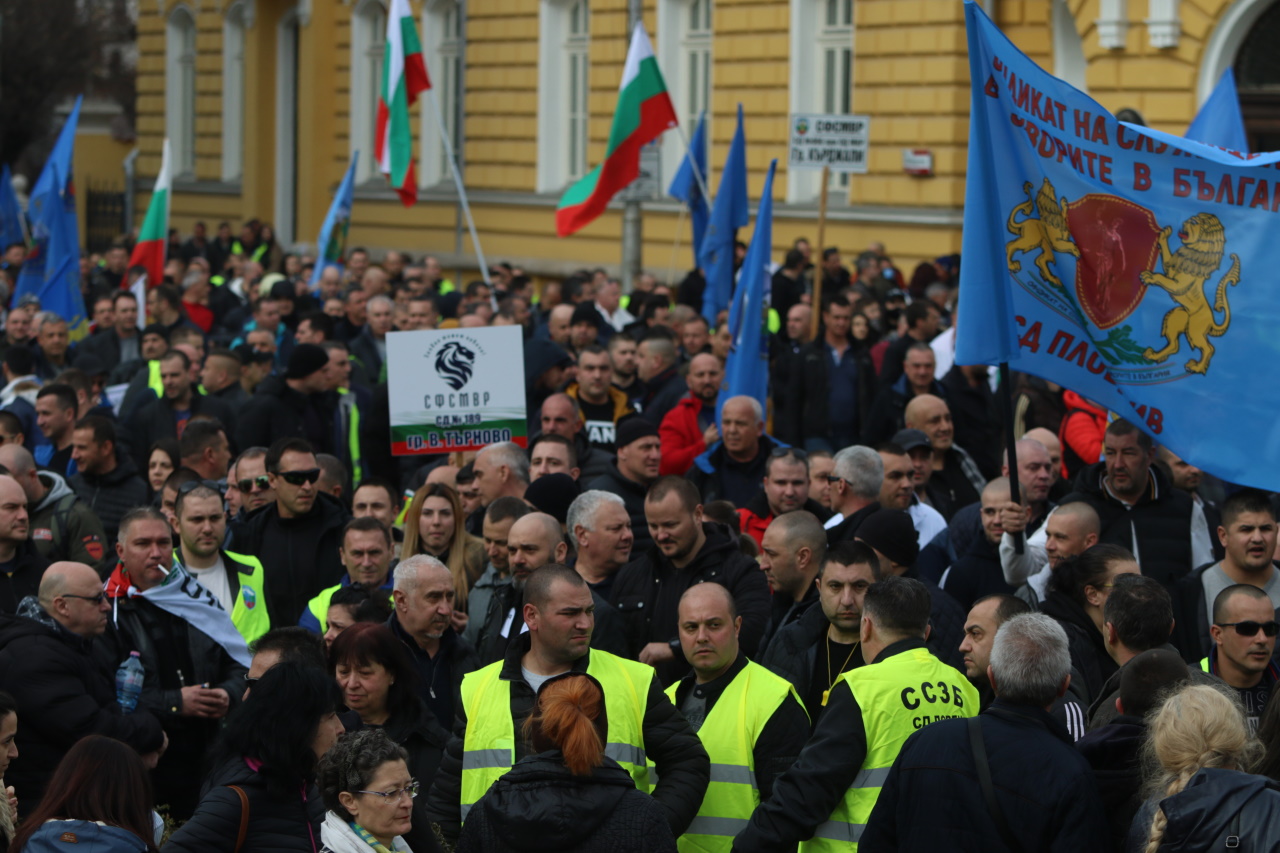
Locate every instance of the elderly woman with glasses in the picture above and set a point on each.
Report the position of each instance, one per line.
(369, 794)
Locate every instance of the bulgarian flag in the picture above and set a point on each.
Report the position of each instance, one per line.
(153, 239)
(404, 75)
(644, 112)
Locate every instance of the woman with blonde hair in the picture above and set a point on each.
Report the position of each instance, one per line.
(1202, 796)
(568, 796)
(434, 524)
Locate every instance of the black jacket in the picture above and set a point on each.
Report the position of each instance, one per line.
(1203, 814)
(632, 494)
(365, 357)
(538, 805)
(647, 593)
(662, 392)
(718, 477)
(975, 418)
(112, 495)
(28, 568)
(977, 574)
(847, 529)
(275, 826)
(63, 694)
(1191, 617)
(1103, 710)
(1043, 786)
(1160, 521)
(1084, 641)
(888, 410)
(805, 414)
(1114, 753)
(440, 678)
(154, 421)
(299, 555)
(277, 411)
(104, 347)
(682, 765)
(793, 652)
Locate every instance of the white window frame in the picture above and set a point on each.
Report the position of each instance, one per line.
(560, 53)
(811, 38)
(444, 46)
(680, 45)
(180, 91)
(234, 24)
(368, 42)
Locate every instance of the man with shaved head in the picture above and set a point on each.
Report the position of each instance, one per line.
(561, 416)
(956, 481)
(733, 468)
(690, 428)
(1069, 530)
(63, 527)
(555, 637)
(791, 555)
(45, 663)
(1051, 443)
(760, 714)
(535, 540)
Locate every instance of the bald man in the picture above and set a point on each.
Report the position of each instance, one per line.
(62, 691)
(977, 572)
(63, 527)
(738, 708)
(535, 540)
(1069, 530)
(956, 481)
(733, 468)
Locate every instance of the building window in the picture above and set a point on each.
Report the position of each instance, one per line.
(564, 87)
(444, 28)
(835, 46)
(233, 27)
(821, 78)
(180, 91)
(684, 55)
(368, 41)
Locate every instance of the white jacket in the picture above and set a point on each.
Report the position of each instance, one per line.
(338, 837)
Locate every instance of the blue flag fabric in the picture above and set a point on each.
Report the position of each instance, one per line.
(52, 268)
(12, 227)
(728, 214)
(1220, 121)
(684, 186)
(331, 246)
(746, 371)
(1128, 265)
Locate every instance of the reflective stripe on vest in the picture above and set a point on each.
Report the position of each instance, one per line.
(153, 378)
(488, 748)
(897, 696)
(729, 735)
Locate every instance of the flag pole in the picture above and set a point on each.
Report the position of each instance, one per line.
(1011, 446)
(693, 164)
(457, 182)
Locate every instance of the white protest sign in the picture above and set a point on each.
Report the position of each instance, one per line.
(455, 389)
(837, 141)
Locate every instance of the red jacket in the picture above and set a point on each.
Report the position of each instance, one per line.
(1081, 433)
(681, 437)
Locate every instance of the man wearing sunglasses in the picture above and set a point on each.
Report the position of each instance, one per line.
(297, 538)
(251, 480)
(1244, 639)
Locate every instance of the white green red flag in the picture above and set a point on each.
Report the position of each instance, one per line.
(644, 112)
(404, 76)
(153, 239)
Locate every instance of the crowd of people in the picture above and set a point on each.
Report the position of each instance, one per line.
(669, 619)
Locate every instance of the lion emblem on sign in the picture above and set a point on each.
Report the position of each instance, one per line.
(454, 363)
(1047, 234)
(1186, 272)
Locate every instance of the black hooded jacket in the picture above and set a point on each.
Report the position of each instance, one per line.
(113, 494)
(1084, 641)
(1113, 752)
(539, 805)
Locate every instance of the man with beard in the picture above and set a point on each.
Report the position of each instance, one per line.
(690, 428)
(622, 360)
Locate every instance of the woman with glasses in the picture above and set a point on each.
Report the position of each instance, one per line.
(162, 460)
(568, 796)
(434, 525)
(369, 793)
(378, 683)
(264, 776)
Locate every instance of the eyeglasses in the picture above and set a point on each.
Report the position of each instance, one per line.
(1251, 628)
(250, 484)
(392, 796)
(96, 599)
(297, 478)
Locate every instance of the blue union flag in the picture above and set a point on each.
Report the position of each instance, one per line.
(1134, 267)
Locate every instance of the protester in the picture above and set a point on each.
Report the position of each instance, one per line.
(369, 793)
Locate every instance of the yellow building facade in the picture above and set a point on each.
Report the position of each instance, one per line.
(264, 102)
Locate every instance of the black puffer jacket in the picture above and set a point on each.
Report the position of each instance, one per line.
(277, 411)
(63, 695)
(29, 567)
(275, 826)
(539, 805)
(1203, 814)
(647, 594)
(632, 494)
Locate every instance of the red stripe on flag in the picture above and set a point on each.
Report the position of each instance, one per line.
(150, 254)
(415, 77)
(380, 131)
(409, 190)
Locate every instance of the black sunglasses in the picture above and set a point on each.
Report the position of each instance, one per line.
(96, 599)
(1251, 628)
(248, 483)
(297, 478)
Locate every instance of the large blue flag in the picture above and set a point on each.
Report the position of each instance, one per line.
(1129, 265)
(332, 244)
(746, 371)
(728, 214)
(13, 227)
(52, 269)
(685, 186)
(1220, 121)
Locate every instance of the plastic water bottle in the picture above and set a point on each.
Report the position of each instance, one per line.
(129, 682)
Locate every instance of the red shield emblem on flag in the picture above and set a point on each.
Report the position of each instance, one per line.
(1118, 240)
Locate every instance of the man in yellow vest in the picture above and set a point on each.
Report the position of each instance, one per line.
(236, 580)
(824, 800)
(751, 721)
(490, 737)
(366, 554)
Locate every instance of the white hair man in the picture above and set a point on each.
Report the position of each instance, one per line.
(600, 527)
(855, 482)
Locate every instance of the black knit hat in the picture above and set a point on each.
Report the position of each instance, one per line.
(305, 360)
(891, 532)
